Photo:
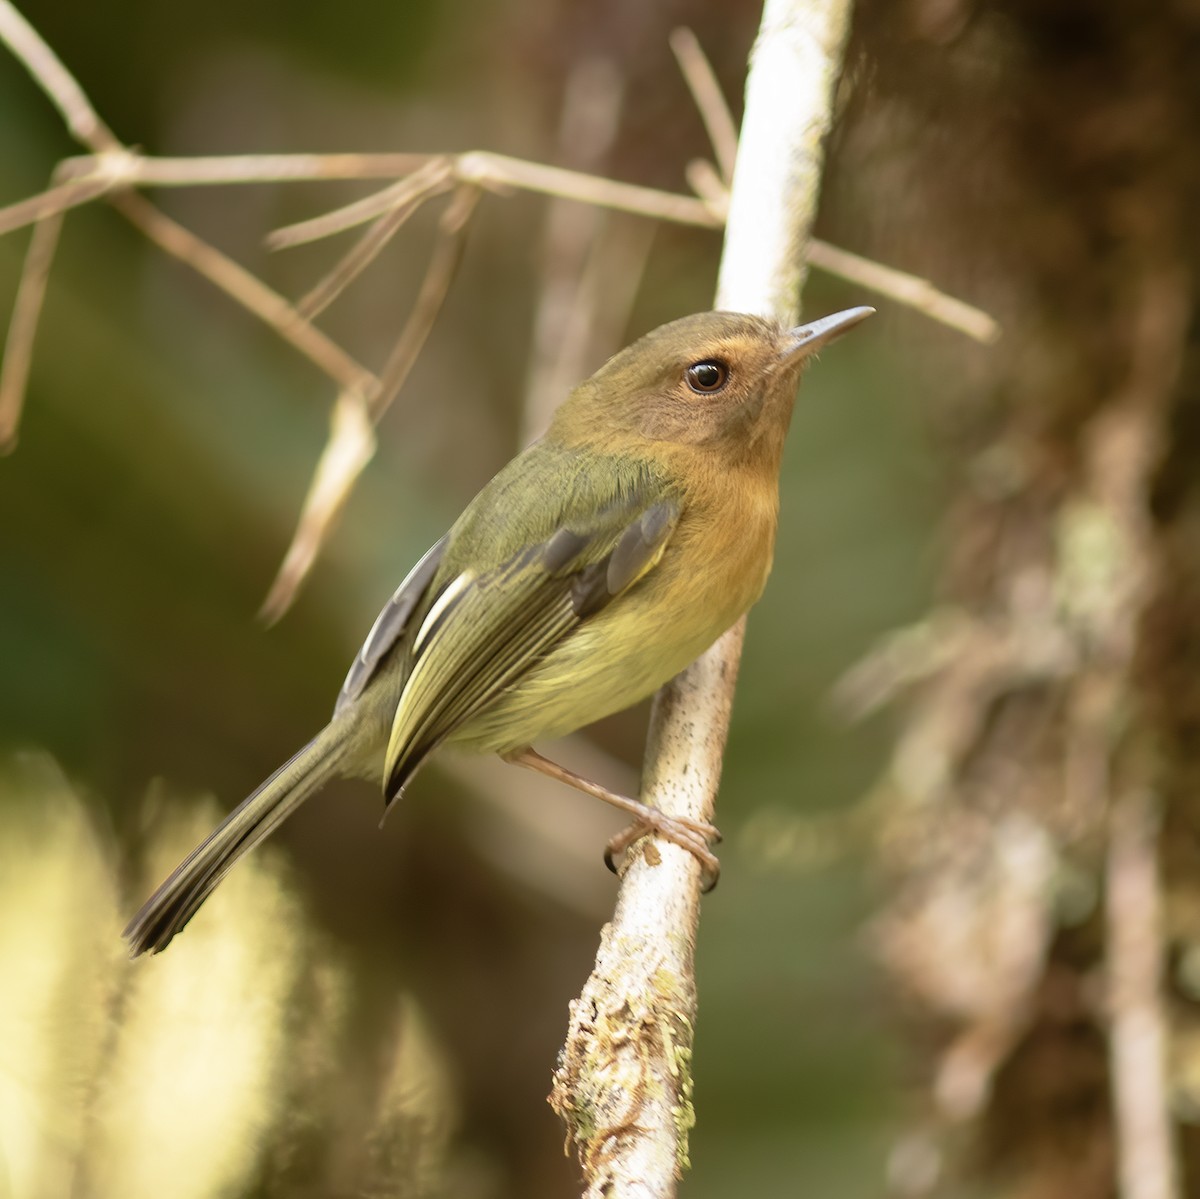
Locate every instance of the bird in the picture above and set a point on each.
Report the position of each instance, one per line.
(589, 571)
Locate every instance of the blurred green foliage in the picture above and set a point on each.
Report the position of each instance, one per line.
(165, 449)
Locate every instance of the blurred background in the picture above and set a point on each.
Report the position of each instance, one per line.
(378, 1012)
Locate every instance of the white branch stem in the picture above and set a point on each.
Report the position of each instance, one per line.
(1146, 1163)
(624, 1085)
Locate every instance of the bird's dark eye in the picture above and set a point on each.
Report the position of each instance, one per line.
(707, 376)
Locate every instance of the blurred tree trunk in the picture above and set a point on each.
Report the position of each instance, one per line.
(1041, 813)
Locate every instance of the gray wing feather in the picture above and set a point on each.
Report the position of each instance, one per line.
(501, 631)
(635, 551)
(390, 625)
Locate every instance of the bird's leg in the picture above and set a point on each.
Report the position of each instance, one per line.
(692, 835)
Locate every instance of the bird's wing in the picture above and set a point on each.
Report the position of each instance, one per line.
(486, 629)
(390, 625)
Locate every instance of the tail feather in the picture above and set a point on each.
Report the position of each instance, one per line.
(175, 902)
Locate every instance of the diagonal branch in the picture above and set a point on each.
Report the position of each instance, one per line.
(246, 288)
(55, 80)
(351, 442)
(22, 329)
(702, 82)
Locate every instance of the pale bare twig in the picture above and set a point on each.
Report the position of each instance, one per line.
(624, 1082)
(246, 288)
(495, 171)
(704, 179)
(443, 263)
(351, 442)
(350, 446)
(114, 162)
(22, 329)
(431, 178)
(220, 169)
(356, 260)
(123, 169)
(712, 187)
(487, 169)
(55, 200)
(1137, 1033)
(55, 80)
(710, 100)
(909, 290)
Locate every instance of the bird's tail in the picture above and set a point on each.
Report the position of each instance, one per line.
(191, 882)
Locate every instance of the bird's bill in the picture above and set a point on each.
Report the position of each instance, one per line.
(807, 339)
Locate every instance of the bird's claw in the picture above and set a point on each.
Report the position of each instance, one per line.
(693, 835)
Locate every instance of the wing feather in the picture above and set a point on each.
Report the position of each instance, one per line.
(499, 624)
(390, 625)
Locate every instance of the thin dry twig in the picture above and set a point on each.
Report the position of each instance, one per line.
(443, 263)
(1137, 1032)
(121, 168)
(351, 442)
(704, 179)
(55, 80)
(132, 169)
(710, 100)
(22, 329)
(909, 290)
(433, 177)
(113, 164)
(356, 259)
(351, 445)
(498, 171)
(246, 288)
(57, 199)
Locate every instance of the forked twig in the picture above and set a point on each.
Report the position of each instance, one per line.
(426, 181)
(114, 170)
(443, 263)
(357, 259)
(351, 441)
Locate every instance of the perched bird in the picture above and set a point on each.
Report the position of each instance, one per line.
(595, 566)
